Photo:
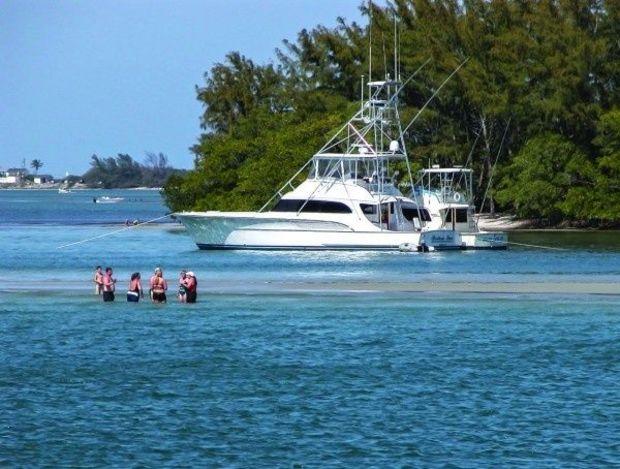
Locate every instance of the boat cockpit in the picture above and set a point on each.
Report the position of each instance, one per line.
(447, 194)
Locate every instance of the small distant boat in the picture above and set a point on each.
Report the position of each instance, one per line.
(64, 188)
(108, 200)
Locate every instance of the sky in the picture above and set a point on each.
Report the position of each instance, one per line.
(104, 77)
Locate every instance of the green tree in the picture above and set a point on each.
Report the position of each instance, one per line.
(36, 164)
(234, 88)
(607, 187)
(542, 173)
(550, 68)
(123, 171)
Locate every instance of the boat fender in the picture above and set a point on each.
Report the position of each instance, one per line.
(457, 196)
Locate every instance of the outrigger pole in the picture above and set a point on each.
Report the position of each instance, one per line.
(330, 142)
(434, 94)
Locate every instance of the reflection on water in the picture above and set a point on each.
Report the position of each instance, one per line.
(574, 240)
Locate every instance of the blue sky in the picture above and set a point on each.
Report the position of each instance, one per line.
(118, 76)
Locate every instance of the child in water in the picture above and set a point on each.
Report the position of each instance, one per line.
(182, 288)
(98, 280)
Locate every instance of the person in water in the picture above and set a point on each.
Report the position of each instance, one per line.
(134, 292)
(109, 285)
(98, 280)
(182, 287)
(158, 287)
(191, 285)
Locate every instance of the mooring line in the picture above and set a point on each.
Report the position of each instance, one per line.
(114, 232)
(537, 246)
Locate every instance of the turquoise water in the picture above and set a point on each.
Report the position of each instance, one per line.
(254, 375)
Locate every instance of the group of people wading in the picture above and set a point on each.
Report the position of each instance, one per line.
(105, 285)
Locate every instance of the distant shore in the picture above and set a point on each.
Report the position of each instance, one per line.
(486, 222)
(77, 187)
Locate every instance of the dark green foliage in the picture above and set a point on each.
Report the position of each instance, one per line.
(540, 176)
(123, 171)
(36, 164)
(607, 176)
(551, 68)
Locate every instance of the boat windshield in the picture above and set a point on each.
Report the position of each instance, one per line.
(375, 174)
(448, 185)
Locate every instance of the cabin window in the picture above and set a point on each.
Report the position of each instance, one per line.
(320, 206)
(410, 213)
(461, 215)
(368, 209)
(312, 206)
(371, 212)
(285, 205)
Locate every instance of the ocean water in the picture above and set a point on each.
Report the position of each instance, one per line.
(269, 370)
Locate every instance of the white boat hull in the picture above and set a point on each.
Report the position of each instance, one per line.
(218, 231)
(485, 240)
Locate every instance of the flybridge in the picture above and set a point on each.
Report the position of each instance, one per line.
(374, 131)
(366, 149)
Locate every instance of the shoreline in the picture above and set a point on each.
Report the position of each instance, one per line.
(500, 222)
(510, 223)
(55, 187)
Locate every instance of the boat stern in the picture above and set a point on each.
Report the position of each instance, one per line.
(485, 240)
(440, 240)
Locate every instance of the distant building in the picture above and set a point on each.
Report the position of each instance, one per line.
(43, 179)
(9, 179)
(13, 176)
(19, 172)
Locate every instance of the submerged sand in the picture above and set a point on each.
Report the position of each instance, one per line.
(340, 286)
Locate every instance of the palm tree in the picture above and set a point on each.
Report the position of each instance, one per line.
(36, 165)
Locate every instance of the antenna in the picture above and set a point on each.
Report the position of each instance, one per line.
(369, 40)
(396, 77)
(362, 95)
(385, 72)
(399, 51)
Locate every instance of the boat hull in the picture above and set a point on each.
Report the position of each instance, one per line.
(485, 240)
(218, 232)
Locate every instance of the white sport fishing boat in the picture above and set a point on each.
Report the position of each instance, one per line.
(447, 195)
(350, 199)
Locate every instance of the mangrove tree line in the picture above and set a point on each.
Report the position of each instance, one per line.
(537, 104)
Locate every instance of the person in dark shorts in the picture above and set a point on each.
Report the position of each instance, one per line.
(109, 285)
(191, 286)
(134, 292)
(158, 286)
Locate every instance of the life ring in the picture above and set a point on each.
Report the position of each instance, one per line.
(457, 196)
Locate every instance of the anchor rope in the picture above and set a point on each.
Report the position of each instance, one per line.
(114, 232)
(537, 246)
